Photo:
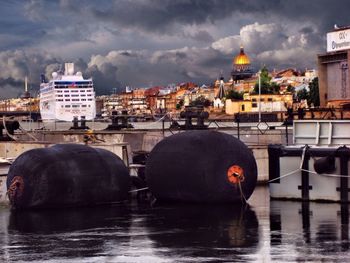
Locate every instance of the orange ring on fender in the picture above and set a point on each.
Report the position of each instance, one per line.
(16, 187)
(235, 174)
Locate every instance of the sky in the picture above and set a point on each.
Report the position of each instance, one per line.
(145, 43)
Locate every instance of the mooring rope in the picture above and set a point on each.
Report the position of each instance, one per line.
(8, 134)
(303, 156)
(27, 133)
(241, 190)
(325, 174)
(300, 169)
(285, 175)
(137, 190)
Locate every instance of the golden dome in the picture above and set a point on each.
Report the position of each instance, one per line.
(241, 58)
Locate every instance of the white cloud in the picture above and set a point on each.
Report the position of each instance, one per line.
(292, 57)
(227, 45)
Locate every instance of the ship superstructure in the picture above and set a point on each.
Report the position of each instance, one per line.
(67, 95)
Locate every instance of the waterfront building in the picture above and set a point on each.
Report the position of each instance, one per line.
(166, 99)
(207, 92)
(125, 97)
(294, 78)
(269, 103)
(111, 103)
(20, 104)
(138, 103)
(151, 95)
(333, 68)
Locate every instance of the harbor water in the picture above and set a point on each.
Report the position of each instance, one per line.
(265, 231)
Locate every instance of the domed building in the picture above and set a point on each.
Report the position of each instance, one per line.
(241, 67)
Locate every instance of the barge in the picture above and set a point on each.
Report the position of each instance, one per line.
(316, 166)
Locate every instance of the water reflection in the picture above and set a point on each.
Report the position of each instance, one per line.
(310, 231)
(204, 233)
(73, 233)
(270, 231)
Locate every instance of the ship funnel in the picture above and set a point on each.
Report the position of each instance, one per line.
(68, 68)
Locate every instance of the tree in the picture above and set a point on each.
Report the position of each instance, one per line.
(201, 101)
(267, 87)
(274, 88)
(314, 96)
(179, 104)
(290, 89)
(234, 95)
(302, 94)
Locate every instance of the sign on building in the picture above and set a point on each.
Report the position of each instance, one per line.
(338, 40)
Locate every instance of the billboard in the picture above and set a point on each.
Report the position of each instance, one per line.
(338, 40)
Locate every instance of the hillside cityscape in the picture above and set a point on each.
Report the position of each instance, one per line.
(239, 92)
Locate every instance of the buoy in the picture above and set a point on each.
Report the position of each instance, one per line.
(201, 166)
(325, 164)
(67, 175)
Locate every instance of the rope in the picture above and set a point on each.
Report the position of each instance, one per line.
(160, 119)
(329, 175)
(8, 134)
(305, 170)
(303, 156)
(242, 194)
(27, 133)
(137, 190)
(285, 175)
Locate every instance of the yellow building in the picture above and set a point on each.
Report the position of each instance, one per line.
(250, 103)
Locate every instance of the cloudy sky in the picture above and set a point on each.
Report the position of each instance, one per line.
(142, 43)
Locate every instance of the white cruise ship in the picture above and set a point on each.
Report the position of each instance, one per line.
(67, 96)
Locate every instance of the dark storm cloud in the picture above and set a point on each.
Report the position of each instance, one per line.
(201, 36)
(152, 42)
(161, 15)
(15, 66)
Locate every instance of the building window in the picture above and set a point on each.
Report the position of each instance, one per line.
(243, 107)
(254, 105)
(67, 106)
(269, 99)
